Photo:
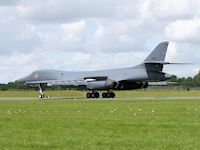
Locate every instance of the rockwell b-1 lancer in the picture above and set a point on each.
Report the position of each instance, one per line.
(137, 77)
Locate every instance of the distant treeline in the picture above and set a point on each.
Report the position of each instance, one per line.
(19, 86)
(190, 82)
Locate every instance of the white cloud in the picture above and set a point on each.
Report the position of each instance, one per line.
(73, 29)
(184, 30)
(15, 66)
(171, 52)
(62, 10)
(16, 35)
(171, 9)
(8, 2)
(73, 35)
(119, 36)
(92, 35)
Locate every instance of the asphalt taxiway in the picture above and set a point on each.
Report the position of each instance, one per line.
(135, 98)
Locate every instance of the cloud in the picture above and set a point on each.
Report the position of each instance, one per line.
(15, 34)
(73, 35)
(92, 35)
(170, 9)
(184, 30)
(73, 29)
(8, 2)
(171, 52)
(62, 10)
(22, 64)
(185, 53)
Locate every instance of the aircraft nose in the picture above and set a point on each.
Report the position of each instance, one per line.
(22, 80)
(168, 76)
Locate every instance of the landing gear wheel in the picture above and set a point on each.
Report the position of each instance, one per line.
(112, 95)
(92, 95)
(96, 95)
(108, 95)
(41, 96)
(104, 95)
(88, 95)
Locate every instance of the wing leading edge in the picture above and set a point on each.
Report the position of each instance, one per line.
(59, 82)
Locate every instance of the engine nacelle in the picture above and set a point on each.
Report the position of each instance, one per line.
(130, 85)
(100, 85)
(109, 84)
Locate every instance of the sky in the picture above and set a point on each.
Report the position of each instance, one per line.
(77, 35)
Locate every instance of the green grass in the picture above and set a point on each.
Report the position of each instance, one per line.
(67, 94)
(102, 124)
(119, 94)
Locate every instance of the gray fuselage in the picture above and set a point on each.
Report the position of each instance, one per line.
(137, 73)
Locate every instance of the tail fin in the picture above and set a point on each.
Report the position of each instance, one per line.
(156, 59)
(158, 54)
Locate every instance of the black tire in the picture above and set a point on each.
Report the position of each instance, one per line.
(88, 95)
(104, 95)
(97, 95)
(93, 95)
(108, 95)
(112, 95)
(41, 96)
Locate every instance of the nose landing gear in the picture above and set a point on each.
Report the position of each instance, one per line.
(41, 93)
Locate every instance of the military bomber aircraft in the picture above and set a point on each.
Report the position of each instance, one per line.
(137, 77)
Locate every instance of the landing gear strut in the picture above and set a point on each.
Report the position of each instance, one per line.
(41, 95)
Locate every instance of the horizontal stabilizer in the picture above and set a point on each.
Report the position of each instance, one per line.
(181, 63)
(156, 62)
(166, 63)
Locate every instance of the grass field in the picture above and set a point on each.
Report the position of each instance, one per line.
(119, 94)
(101, 124)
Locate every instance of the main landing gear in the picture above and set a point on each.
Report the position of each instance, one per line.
(95, 94)
(108, 94)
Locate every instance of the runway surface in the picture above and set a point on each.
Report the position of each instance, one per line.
(135, 98)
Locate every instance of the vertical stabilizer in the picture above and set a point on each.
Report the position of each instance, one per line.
(158, 54)
(156, 59)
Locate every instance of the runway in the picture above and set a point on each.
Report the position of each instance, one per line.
(134, 98)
